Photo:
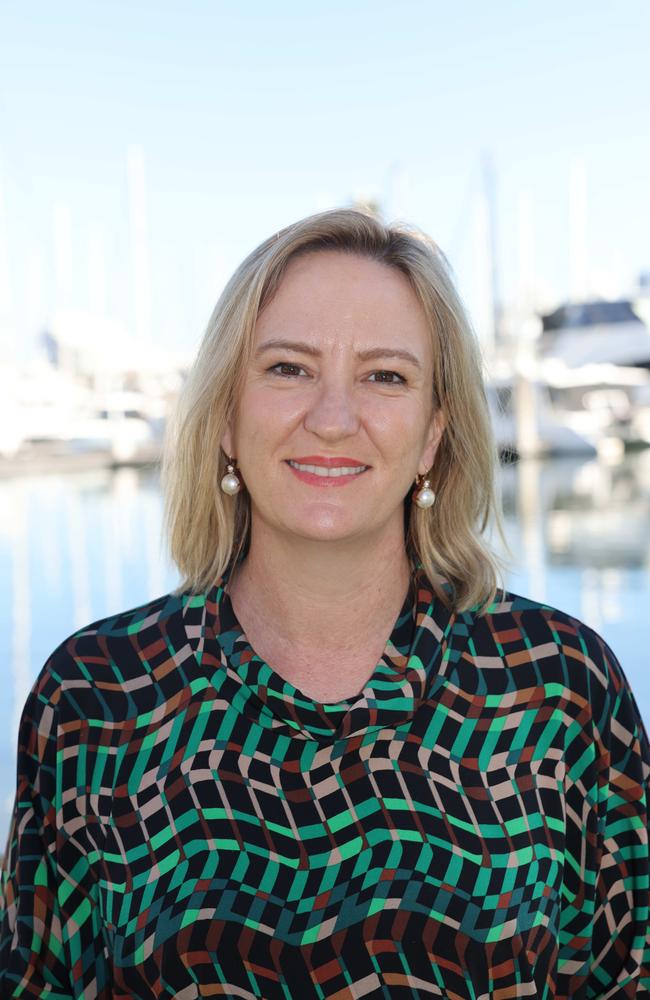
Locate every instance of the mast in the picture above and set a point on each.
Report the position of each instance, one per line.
(488, 175)
(578, 254)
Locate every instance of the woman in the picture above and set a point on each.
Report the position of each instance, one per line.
(338, 761)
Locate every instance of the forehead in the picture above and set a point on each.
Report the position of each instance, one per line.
(345, 296)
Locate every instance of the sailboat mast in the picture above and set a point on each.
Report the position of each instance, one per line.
(488, 175)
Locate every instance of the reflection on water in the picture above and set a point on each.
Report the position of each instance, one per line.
(72, 549)
(78, 547)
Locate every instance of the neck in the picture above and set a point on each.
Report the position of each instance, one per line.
(322, 595)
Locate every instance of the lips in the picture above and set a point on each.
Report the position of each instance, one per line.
(339, 461)
(327, 470)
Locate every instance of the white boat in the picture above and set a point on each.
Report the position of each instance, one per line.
(52, 417)
(526, 424)
(595, 332)
(578, 386)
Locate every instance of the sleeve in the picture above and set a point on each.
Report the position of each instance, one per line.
(620, 965)
(32, 954)
(33, 949)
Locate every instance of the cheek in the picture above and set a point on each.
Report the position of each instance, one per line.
(402, 427)
(263, 418)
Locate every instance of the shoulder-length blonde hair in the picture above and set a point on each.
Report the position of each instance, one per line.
(207, 530)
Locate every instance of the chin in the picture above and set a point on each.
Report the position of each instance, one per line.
(325, 530)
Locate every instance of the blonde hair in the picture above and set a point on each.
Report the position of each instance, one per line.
(207, 531)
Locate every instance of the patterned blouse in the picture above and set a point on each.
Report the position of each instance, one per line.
(473, 824)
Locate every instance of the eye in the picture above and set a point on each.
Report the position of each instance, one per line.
(285, 370)
(392, 378)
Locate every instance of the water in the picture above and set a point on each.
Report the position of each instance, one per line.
(78, 547)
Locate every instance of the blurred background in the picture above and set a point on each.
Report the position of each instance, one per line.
(145, 148)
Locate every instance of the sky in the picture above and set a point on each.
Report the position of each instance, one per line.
(147, 147)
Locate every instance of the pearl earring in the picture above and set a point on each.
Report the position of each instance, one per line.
(231, 483)
(424, 496)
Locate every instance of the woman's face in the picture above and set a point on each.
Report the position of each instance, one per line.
(341, 379)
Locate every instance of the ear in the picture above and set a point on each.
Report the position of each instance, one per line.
(436, 430)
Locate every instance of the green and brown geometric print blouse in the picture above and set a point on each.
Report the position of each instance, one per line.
(474, 824)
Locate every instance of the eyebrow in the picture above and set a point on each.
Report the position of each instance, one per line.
(370, 354)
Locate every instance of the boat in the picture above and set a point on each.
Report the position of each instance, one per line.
(595, 332)
(578, 384)
(51, 419)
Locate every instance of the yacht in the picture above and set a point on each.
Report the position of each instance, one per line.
(580, 382)
(596, 332)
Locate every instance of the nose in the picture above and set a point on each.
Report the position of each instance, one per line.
(332, 413)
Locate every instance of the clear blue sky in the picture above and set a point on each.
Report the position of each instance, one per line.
(252, 115)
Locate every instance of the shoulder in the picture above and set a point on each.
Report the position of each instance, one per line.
(137, 627)
(556, 646)
(113, 658)
(136, 619)
(515, 642)
(535, 622)
(517, 619)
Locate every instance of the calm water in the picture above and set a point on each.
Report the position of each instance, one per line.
(75, 548)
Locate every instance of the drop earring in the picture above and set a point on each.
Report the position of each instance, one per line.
(424, 496)
(231, 483)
